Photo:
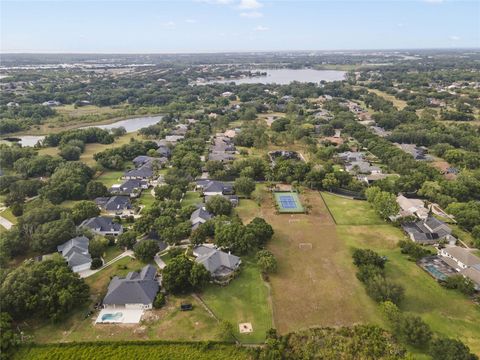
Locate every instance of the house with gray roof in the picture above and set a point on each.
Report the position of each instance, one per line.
(464, 261)
(115, 205)
(75, 252)
(102, 225)
(135, 291)
(221, 265)
(213, 187)
(200, 216)
(144, 172)
(429, 231)
(131, 187)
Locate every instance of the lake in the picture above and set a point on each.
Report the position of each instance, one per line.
(286, 76)
(130, 125)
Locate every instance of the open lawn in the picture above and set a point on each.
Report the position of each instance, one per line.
(315, 284)
(191, 198)
(146, 199)
(351, 212)
(399, 104)
(108, 178)
(111, 253)
(245, 299)
(447, 312)
(168, 323)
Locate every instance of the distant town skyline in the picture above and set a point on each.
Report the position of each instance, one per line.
(236, 25)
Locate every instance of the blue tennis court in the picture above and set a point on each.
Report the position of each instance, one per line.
(288, 202)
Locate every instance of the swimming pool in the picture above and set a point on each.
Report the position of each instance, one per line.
(435, 272)
(112, 316)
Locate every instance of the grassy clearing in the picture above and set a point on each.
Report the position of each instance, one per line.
(146, 199)
(351, 212)
(315, 284)
(399, 104)
(447, 312)
(191, 198)
(134, 351)
(111, 253)
(245, 299)
(108, 178)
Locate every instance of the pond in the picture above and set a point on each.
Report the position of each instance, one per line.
(286, 76)
(130, 125)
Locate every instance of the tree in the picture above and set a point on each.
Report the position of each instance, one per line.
(450, 349)
(262, 230)
(383, 202)
(83, 210)
(460, 283)
(176, 275)
(127, 239)
(96, 263)
(70, 153)
(244, 186)
(368, 257)
(96, 189)
(9, 339)
(330, 182)
(97, 247)
(218, 205)
(415, 331)
(51, 234)
(48, 289)
(159, 301)
(266, 261)
(199, 276)
(146, 250)
(381, 289)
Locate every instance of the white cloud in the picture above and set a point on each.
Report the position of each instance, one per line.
(249, 4)
(261, 28)
(454, 37)
(169, 24)
(251, 14)
(191, 21)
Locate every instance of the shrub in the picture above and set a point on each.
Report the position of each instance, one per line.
(96, 263)
(368, 257)
(159, 301)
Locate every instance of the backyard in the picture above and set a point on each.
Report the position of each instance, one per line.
(447, 312)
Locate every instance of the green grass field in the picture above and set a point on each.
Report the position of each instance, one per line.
(146, 199)
(191, 198)
(351, 212)
(108, 178)
(245, 299)
(447, 312)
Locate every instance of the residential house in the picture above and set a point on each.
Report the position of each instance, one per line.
(412, 207)
(115, 205)
(463, 261)
(75, 252)
(418, 153)
(429, 231)
(200, 216)
(102, 225)
(144, 172)
(135, 291)
(349, 156)
(221, 265)
(173, 139)
(213, 187)
(131, 187)
(362, 167)
(51, 103)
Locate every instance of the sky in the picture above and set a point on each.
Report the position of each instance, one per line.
(126, 26)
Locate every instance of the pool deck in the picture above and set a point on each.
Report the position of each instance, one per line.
(129, 316)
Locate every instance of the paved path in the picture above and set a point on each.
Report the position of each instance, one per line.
(87, 273)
